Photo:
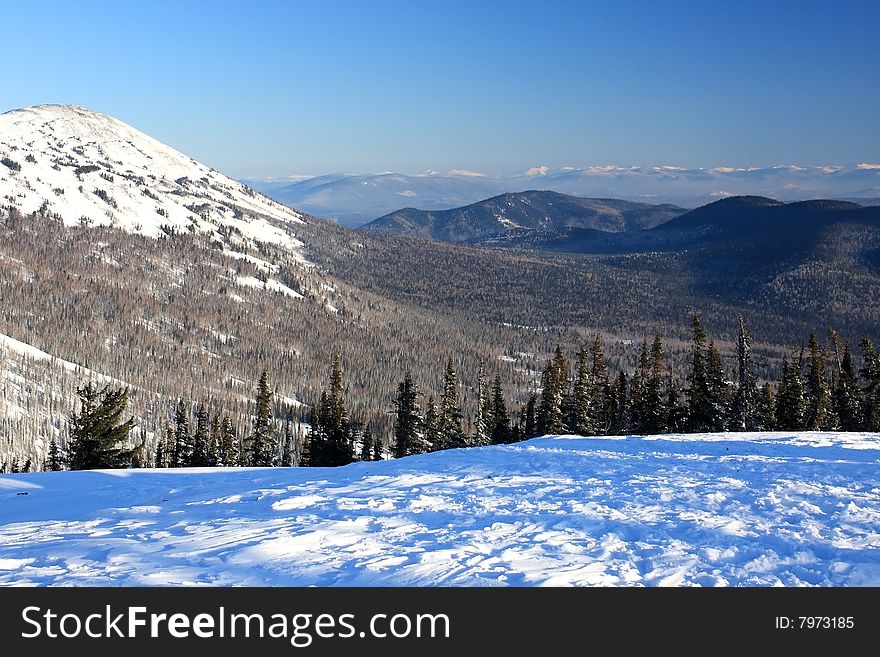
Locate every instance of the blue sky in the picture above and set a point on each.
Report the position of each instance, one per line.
(307, 87)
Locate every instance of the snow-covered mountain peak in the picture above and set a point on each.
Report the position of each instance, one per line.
(83, 166)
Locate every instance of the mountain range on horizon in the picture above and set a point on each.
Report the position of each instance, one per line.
(357, 199)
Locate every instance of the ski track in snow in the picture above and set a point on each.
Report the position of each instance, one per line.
(711, 510)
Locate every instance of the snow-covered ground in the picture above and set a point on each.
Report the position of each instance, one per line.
(715, 509)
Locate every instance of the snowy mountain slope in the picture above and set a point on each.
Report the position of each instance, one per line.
(89, 167)
(711, 510)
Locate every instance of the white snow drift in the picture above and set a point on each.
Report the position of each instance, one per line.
(710, 510)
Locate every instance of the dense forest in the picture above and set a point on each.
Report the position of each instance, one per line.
(821, 387)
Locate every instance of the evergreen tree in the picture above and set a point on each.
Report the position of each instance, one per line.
(483, 419)
(554, 383)
(818, 394)
(637, 388)
(618, 408)
(746, 388)
(165, 449)
(98, 430)
(790, 403)
(262, 439)
(229, 453)
(501, 433)
(765, 410)
(287, 446)
(367, 444)
(407, 424)
(583, 422)
(332, 445)
(676, 410)
(599, 388)
(653, 409)
(200, 439)
(55, 459)
(313, 449)
(846, 398)
(718, 389)
(378, 451)
(431, 422)
(182, 455)
(699, 404)
(214, 444)
(449, 432)
(530, 423)
(870, 372)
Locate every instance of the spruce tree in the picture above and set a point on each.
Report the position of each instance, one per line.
(430, 427)
(367, 444)
(846, 395)
(230, 450)
(637, 390)
(554, 384)
(818, 393)
(449, 431)
(98, 431)
(332, 444)
(378, 450)
(482, 422)
(200, 439)
(870, 372)
(407, 423)
(501, 433)
(287, 446)
(182, 453)
(583, 423)
(262, 438)
(765, 410)
(699, 404)
(654, 414)
(718, 390)
(55, 459)
(599, 387)
(746, 389)
(618, 408)
(530, 423)
(790, 403)
(676, 410)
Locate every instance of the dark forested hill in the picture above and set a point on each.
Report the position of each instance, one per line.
(524, 217)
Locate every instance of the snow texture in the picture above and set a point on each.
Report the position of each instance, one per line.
(89, 167)
(711, 510)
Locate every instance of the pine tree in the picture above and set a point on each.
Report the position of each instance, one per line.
(313, 449)
(262, 439)
(98, 430)
(637, 390)
(699, 405)
(215, 457)
(501, 433)
(407, 424)
(332, 443)
(165, 449)
(449, 431)
(530, 424)
(746, 389)
(201, 439)
(182, 454)
(55, 459)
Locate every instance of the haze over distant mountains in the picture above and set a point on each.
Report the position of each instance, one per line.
(355, 199)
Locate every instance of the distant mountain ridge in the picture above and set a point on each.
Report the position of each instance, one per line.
(518, 218)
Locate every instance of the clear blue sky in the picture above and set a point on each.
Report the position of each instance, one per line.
(265, 88)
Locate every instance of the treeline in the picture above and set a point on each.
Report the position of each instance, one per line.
(820, 388)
